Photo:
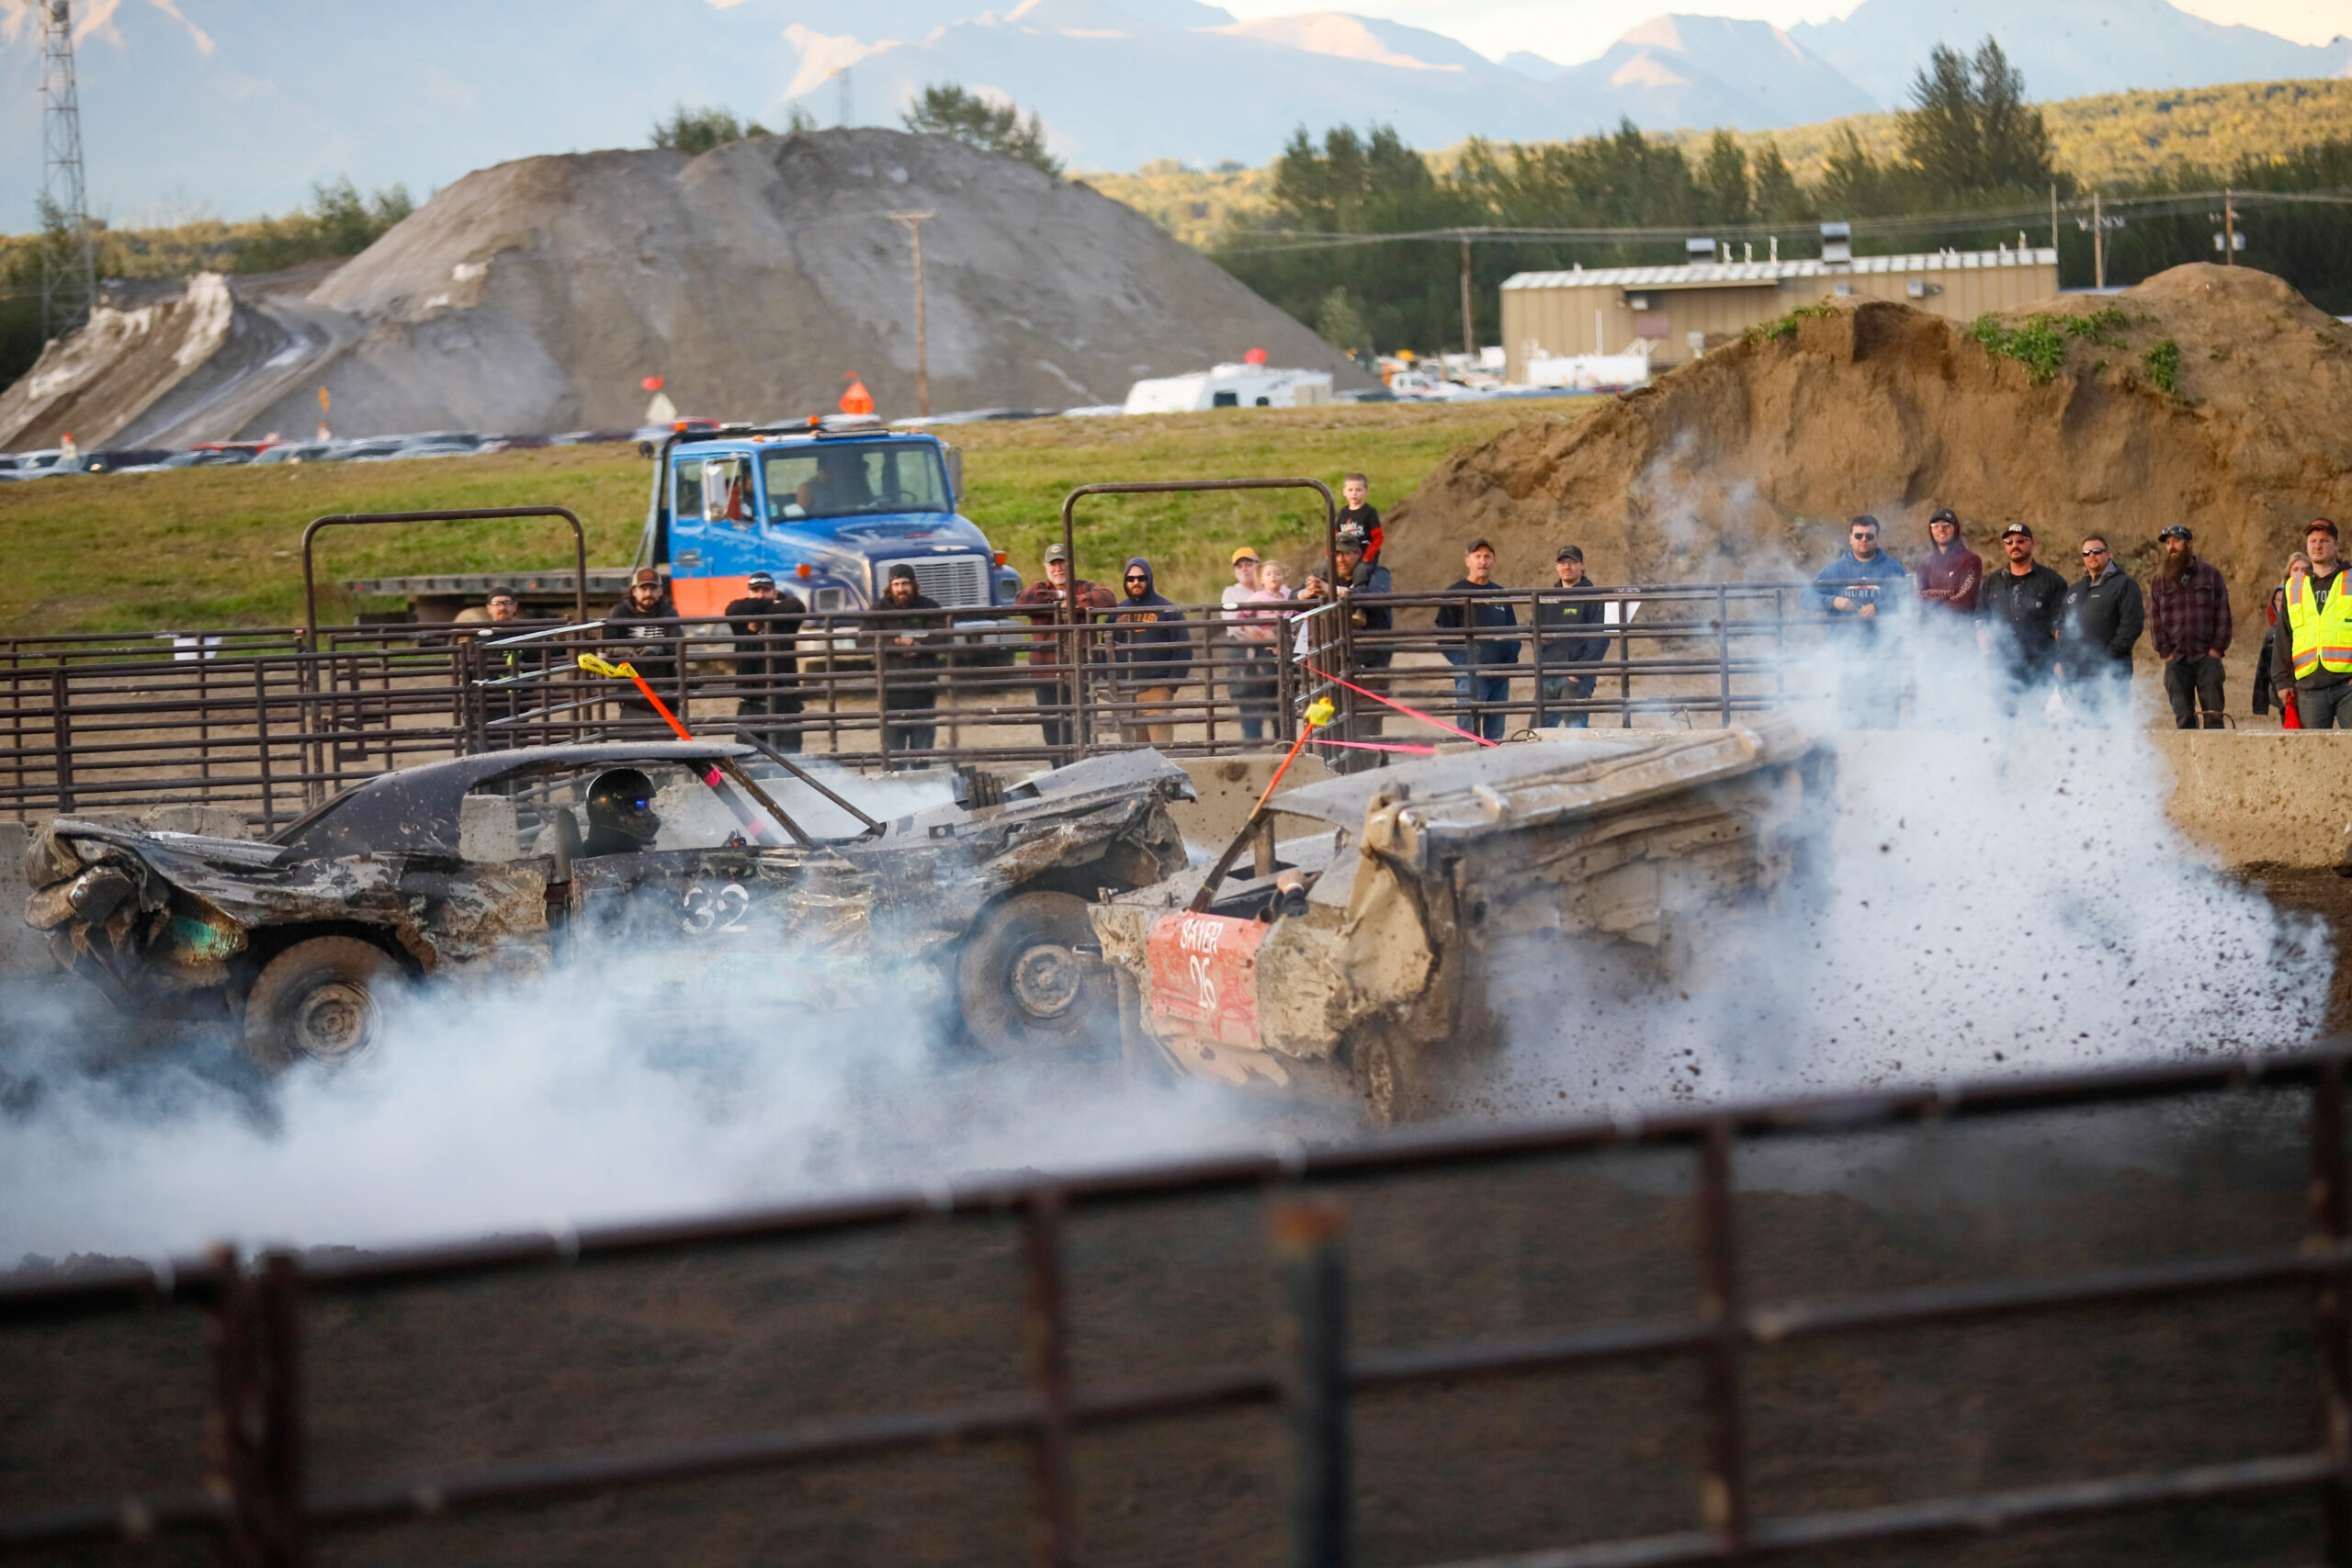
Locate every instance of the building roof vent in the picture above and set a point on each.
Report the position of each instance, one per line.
(1697, 251)
(1838, 242)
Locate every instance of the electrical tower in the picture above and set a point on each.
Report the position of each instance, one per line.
(69, 282)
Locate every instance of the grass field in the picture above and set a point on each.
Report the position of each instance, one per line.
(222, 546)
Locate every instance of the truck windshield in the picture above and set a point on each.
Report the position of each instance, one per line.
(840, 478)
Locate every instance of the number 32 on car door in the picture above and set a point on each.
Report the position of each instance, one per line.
(709, 912)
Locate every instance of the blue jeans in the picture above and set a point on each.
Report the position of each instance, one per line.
(1469, 689)
(1558, 689)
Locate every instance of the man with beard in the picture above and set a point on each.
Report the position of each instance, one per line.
(2188, 623)
(644, 633)
(905, 648)
(2020, 624)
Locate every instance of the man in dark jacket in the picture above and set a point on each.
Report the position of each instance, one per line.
(1564, 662)
(2188, 622)
(1059, 609)
(908, 652)
(1363, 583)
(1152, 653)
(764, 622)
(1857, 590)
(1479, 693)
(643, 632)
(2100, 620)
(2019, 629)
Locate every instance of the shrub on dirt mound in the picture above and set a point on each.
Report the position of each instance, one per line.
(2212, 396)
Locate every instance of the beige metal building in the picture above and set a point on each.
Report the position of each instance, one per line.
(1683, 310)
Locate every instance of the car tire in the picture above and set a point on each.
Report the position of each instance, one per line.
(1025, 989)
(321, 1000)
(1389, 1076)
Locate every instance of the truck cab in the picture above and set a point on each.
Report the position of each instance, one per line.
(828, 511)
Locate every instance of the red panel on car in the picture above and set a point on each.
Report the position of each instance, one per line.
(1204, 977)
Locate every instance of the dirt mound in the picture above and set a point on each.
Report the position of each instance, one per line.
(537, 295)
(1748, 462)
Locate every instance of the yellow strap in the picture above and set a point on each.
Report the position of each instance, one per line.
(595, 666)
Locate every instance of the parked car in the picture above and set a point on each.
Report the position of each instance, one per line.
(974, 911)
(300, 452)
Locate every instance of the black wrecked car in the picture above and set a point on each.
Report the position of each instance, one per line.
(973, 910)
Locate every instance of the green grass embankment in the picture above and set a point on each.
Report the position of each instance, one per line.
(222, 546)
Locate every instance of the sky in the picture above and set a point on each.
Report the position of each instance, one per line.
(1572, 30)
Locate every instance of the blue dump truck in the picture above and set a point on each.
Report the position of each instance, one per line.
(828, 507)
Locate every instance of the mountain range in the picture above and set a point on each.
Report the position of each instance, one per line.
(223, 107)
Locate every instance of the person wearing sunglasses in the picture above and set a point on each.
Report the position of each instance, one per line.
(2098, 621)
(1855, 590)
(1152, 653)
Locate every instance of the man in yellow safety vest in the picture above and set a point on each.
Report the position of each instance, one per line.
(2317, 630)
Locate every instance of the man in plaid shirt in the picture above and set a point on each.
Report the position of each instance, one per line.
(2188, 613)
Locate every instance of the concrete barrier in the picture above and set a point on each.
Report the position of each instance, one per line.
(2258, 797)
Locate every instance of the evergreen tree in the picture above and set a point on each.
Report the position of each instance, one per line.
(1852, 182)
(1776, 198)
(1723, 182)
(1970, 130)
(948, 111)
(1341, 324)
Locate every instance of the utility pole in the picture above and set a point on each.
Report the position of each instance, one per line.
(913, 220)
(1469, 337)
(2229, 227)
(69, 284)
(2053, 221)
(2098, 244)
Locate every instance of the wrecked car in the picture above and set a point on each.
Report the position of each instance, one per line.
(1388, 925)
(972, 910)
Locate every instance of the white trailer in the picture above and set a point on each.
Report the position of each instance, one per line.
(1230, 387)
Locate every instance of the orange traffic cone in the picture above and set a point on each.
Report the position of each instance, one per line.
(857, 400)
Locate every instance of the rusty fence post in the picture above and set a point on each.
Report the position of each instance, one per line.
(2331, 1224)
(1724, 1496)
(1048, 1334)
(254, 1424)
(61, 735)
(1307, 1239)
(261, 745)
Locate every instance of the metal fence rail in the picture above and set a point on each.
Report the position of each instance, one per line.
(270, 723)
(261, 1507)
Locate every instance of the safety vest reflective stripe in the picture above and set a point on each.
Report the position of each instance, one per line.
(2323, 632)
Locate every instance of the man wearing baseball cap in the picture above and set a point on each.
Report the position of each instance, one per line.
(1059, 607)
(765, 622)
(1949, 573)
(2019, 629)
(2314, 635)
(2189, 623)
(1480, 693)
(1565, 663)
(1363, 583)
(645, 631)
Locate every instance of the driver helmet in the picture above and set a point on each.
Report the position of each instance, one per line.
(622, 799)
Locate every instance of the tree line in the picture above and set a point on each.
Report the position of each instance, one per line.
(1970, 143)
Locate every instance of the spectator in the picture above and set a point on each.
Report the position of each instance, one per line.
(906, 648)
(1238, 593)
(1048, 601)
(1478, 695)
(2267, 664)
(1949, 573)
(764, 623)
(1154, 653)
(645, 624)
(1364, 586)
(2098, 621)
(1257, 631)
(2019, 625)
(2314, 635)
(497, 609)
(1364, 518)
(1564, 663)
(1851, 591)
(2188, 623)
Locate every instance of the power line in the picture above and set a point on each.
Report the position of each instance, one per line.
(2171, 204)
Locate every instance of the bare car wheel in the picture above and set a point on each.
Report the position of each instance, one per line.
(320, 1000)
(1026, 989)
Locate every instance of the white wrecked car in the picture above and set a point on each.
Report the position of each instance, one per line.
(1387, 920)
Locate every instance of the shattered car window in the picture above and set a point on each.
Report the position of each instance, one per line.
(508, 817)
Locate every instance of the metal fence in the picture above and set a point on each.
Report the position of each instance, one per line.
(260, 1506)
(270, 722)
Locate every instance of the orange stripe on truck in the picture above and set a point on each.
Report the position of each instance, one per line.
(699, 597)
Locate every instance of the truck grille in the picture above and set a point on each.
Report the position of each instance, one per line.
(954, 583)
